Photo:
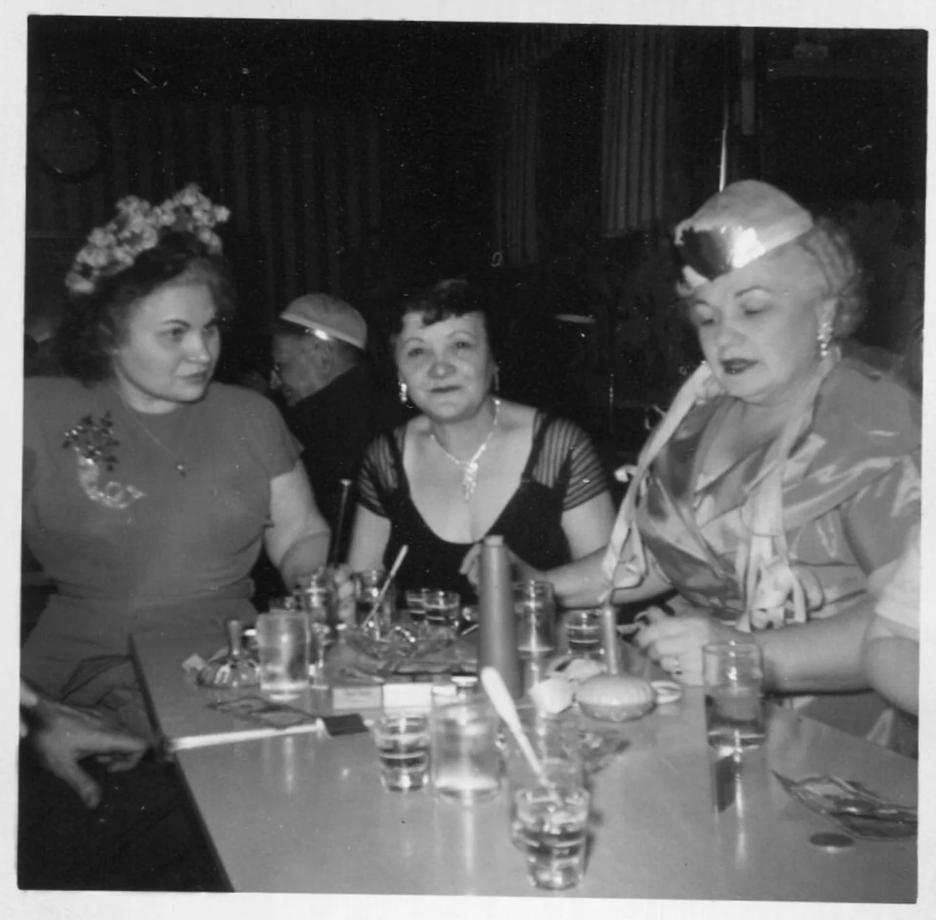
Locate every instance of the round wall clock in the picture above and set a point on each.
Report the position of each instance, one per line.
(67, 141)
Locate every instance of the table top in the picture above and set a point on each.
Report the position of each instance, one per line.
(308, 814)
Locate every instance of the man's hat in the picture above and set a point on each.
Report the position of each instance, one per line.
(328, 316)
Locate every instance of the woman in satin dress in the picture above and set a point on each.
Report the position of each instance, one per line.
(785, 475)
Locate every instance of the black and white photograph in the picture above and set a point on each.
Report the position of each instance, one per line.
(466, 458)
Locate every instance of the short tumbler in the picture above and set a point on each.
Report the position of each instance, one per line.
(553, 828)
(442, 608)
(403, 748)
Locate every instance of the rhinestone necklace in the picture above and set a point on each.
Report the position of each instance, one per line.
(181, 467)
(469, 468)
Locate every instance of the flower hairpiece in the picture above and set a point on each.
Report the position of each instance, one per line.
(140, 226)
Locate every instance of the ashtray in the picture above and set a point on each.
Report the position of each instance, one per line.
(401, 641)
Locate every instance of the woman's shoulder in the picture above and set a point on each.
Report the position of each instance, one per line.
(556, 429)
(865, 411)
(48, 400)
(241, 402)
(868, 395)
(380, 445)
(39, 389)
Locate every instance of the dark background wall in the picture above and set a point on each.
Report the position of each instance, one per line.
(357, 156)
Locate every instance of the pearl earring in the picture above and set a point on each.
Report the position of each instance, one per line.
(404, 393)
(824, 338)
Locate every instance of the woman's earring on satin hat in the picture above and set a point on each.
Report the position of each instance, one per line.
(824, 337)
(404, 393)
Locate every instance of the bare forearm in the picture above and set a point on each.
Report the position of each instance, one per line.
(581, 583)
(818, 656)
(304, 557)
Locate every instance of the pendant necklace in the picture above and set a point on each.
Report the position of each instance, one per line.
(469, 468)
(181, 467)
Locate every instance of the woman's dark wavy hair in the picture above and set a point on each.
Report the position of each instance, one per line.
(450, 297)
(94, 324)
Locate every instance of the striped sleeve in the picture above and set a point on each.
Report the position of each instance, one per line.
(568, 460)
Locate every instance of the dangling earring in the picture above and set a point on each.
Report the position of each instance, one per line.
(404, 393)
(824, 338)
(496, 385)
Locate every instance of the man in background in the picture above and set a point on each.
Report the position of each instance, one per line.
(332, 402)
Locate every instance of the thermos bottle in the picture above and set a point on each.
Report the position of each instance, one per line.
(497, 622)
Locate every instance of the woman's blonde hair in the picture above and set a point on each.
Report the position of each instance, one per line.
(829, 245)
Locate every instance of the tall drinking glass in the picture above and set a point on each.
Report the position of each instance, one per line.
(283, 646)
(317, 599)
(367, 589)
(733, 673)
(535, 607)
(466, 761)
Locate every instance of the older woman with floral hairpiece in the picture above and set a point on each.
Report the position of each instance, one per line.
(148, 489)
(785, 474)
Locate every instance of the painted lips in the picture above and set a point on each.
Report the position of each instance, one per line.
(736, 366)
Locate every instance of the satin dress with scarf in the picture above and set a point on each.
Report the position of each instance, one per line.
(851, 497)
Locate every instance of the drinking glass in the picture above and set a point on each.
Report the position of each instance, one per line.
(535, 607)
(583, 633)
(416, 604)
(556, 740)
(553, 829)
(368, 585)
(402, 741)
(733, 673)
(466, 762)
(442, 608)
(283, 647)
(317, 599)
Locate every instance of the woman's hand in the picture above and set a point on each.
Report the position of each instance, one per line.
(345, 592)
(675, 643)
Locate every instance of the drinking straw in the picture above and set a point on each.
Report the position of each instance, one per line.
(503, 703)
(337, 537)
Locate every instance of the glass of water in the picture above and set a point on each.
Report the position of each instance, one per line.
(402, 741)
(283, 648)
(466, 763)
(556, 740)
(733, 672)
(552, 821)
